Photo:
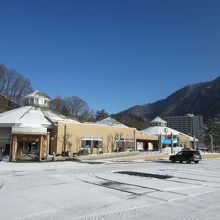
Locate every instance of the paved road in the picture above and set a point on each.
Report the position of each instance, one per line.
(123, 190)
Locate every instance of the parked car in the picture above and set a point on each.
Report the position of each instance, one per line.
(186, 155)
(202, 149)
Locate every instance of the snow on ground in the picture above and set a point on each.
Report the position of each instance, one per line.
(72, 190)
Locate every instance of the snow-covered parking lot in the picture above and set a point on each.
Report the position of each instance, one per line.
(72, 190)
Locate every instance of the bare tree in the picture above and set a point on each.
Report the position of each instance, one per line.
(101, 114)
(11, 75)
(57, 104)
(2, 77)
(24, 89)
(20, 87)
(13, 84)
(87, 116)
(113, 141)
(76, 106)
(66, 143)
(212, 128)
(72, 107)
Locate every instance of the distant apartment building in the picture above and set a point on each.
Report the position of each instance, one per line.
(189, 124)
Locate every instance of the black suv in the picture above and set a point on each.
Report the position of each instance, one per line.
(186, 155)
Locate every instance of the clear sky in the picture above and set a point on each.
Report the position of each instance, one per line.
(112, 53)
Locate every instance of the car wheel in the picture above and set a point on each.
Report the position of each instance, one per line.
(173, 161)
(196, 161)
(188, 161)
(181, 161)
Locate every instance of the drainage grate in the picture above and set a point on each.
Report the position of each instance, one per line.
(150, 175)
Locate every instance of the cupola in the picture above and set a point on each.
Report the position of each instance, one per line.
(158, 122)
(37, 99)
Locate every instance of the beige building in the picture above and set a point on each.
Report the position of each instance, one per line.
(33, 132)
(97, 138)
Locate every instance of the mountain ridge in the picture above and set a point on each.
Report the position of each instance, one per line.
(200, 99)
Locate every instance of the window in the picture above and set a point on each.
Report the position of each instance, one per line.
(34, 147)
(28, 147)
(91, 143)
(96, 144)
(88, 143)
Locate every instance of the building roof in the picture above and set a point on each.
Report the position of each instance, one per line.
(37, 94)
(57, 117)
(30, 116)
(111, 122)
(158, 119)
(160, 130)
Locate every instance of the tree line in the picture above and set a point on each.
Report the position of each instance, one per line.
(76, 107)
(13, 84)
(211, 128)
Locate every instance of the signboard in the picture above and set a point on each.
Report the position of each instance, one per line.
(168, 141)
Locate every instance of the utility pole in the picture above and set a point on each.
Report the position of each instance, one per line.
(135, 142)
(171, 143)
(160, 143)
(211, 142)
(64, 139)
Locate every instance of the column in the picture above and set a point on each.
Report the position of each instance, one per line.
(13, 148)
(40, 147)
(47, 145)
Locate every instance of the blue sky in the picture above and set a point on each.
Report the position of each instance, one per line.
(112, 53)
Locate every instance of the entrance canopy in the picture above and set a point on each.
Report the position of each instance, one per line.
(29, 130)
